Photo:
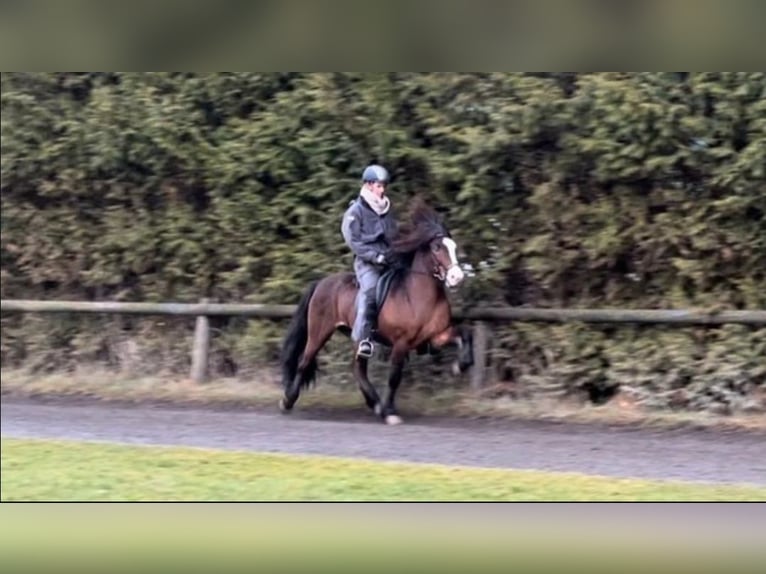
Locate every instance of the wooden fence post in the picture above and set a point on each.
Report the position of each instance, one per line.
(480, 348)
(201, 348)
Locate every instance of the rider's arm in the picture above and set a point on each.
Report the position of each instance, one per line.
(352, 235)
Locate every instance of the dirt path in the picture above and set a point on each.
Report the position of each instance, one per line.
(697, 455)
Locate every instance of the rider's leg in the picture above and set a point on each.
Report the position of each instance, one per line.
(367, 275)
(368, 307)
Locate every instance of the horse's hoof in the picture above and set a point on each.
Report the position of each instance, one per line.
(393, 420)
(283, 406)
(378, 410)
(456, 369)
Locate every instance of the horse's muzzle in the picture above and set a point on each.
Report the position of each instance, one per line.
(454, 276)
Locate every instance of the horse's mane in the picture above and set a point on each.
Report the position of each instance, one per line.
(422, 226)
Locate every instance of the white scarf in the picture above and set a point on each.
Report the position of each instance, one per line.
(380, 205)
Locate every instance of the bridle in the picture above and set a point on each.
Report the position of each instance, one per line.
(438, 271)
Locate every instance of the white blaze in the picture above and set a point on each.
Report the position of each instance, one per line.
(454, 273)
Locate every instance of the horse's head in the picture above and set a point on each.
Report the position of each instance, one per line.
(427, 234)
(446, 267)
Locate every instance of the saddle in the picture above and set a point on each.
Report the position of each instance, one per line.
(382, 289)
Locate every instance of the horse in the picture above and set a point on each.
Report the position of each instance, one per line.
(415, 313)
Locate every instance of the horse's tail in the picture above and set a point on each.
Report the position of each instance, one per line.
(295, 342)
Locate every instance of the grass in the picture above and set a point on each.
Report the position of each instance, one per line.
(42, 470)
(263, 392)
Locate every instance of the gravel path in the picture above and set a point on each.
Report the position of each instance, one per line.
(695, 455)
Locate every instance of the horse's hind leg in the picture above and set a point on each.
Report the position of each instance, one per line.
(307, 363)
(371, 396)
(292, 392)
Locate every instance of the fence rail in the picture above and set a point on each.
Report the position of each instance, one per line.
(490, 314)
(481, 316)
(193, 309)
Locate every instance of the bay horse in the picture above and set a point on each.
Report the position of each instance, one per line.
(415, 313)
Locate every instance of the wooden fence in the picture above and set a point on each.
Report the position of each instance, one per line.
(480, 316)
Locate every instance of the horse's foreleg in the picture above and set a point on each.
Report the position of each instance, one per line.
(371, 396)
(398, 357)
(462, 337)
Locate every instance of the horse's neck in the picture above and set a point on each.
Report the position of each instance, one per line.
(423, 275)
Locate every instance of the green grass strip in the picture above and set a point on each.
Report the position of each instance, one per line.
(43, 470)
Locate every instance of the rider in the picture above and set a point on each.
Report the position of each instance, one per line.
(368, 226)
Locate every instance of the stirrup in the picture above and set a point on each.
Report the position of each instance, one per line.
(365, 349)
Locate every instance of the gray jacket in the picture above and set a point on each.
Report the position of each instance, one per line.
(367, 233)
